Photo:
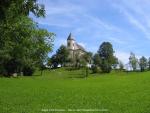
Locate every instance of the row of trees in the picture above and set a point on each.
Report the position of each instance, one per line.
(143, 63)
(103, 60)
(23, 45)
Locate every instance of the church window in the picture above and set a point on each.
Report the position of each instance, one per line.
(68, 44)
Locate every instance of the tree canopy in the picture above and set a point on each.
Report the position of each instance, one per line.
(143, 63)
(22, 43)
(61, 57)
(106, 54)
(133, 61)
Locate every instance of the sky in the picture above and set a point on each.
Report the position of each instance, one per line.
(124, 23)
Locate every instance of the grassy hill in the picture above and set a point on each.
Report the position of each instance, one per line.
(117, 92)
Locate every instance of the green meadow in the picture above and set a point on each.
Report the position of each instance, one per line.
(117, 92)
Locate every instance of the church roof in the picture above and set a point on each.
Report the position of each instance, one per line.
(70, 37)
(76, 45)
(80, 47)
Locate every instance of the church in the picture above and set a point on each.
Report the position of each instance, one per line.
(74, 48)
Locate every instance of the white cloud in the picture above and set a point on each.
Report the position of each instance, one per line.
(137, 23)
(134, 13)
(66, 14)
(60, 13)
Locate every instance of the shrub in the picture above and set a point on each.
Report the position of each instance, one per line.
(2, 71)
(28, 70)
(96, 69)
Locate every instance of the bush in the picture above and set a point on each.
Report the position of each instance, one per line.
(2, 71)
(28, 70)
(106, 68)
(11, 66)
(96, 69)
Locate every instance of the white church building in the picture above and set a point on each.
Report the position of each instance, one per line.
(74, 48)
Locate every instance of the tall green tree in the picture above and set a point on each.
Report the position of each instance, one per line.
(61, 56)
(97, 60)
(21, 7)
(133, 61)
(149, 63)
(23, 44)
(88, 57)
(54, 61)
(96, 63)
(143, 63)
(106, 54)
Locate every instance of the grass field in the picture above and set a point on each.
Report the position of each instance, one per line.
(117, 92)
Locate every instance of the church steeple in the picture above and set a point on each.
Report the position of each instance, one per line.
(70, 42)
(70, 37)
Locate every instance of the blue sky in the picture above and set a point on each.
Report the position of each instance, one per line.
(124, 23)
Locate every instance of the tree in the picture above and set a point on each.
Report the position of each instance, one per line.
(121, 66)
(133, 61)
(96, 63)
(97, 60)
(149, 63)
(28, 46)
(115, 62)
(106, 54)
(54, 61)
(62, 55)
(21, 7)
(143, 63)
(88, 57)
(49, 62)
(23, 44)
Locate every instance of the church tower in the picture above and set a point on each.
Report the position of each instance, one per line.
(74, 48)
(71, 45)
(70, 42)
